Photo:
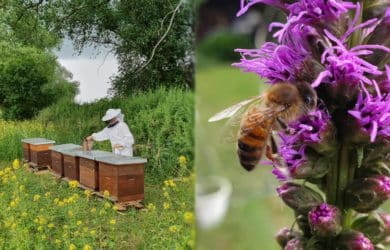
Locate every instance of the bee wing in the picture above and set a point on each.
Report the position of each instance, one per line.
(262, 114)
(232, 110)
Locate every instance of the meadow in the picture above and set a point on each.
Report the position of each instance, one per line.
(39, 211)
(255, 213)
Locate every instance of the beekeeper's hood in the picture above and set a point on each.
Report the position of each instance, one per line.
(113, 113)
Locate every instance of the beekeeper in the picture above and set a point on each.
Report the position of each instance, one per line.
(117, 132)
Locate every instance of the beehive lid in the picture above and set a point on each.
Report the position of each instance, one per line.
(60, 148)
(71, 152)
(121, 160)
(38, 141)
(93, 154)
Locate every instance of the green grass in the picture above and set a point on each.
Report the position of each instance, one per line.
(41, 212)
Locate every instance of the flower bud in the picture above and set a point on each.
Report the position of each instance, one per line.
(325, 220)
(367, 194)
(297, 196)
(353, 240)
(314, 168)
(285, 235)
(373, 226)
(294, 244)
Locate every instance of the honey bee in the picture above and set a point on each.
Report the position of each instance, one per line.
(281, 103)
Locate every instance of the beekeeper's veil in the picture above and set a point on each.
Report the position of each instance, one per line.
(112, 113)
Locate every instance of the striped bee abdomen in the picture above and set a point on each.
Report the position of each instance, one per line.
(251, 142)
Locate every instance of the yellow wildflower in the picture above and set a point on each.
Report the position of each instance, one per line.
(56, 200)
(151, 207)
(61, 204)
(51, 225)
(182, 160)
(65, 226)
(188, 217)
(72, 247)
(79, 222)
(112, 222)
(93, 232)
(106, 194)
(13, 178)
(87, 247)
(73, 184)
(36, 197)
(93, 210)
(16, 164)
(21, 188)
(12, 204)
(107, 205)
(24, 214)
(173, 229)
(166, 194)
(70, 213)
(43, 237)
(39, 228)
(57, 241)
(165, 205)
(87, 193)
(47, 194)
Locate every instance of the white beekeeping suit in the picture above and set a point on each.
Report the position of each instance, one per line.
(117, 132)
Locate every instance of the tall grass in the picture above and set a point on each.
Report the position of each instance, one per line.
(161, 121)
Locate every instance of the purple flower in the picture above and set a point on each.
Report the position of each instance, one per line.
(325, 220)
(353, 240)
(372, 113)
(246, 4)
(386, 17)
(343, 65)
(384, 85)
(271, 61)
(309, 128)
(320, 10)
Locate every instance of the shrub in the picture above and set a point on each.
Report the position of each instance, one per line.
(221, 45)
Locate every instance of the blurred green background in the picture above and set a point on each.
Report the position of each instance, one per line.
(255, 213)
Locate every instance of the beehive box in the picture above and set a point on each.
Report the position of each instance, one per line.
(89, 167)
(36, 151)
(122, 177)
(57, 158)
(71, 164)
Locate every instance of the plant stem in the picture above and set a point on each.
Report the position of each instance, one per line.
(343, 174)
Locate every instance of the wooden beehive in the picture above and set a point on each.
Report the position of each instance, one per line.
(89, 167)
(57, 158)
(71, 164)
(122, 177)
(36, 151)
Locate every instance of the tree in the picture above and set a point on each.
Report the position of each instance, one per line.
(29, 81)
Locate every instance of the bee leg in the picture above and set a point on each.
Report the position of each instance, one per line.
(271, 150)
(284, 126)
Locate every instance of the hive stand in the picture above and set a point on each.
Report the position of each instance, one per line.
(57, 157)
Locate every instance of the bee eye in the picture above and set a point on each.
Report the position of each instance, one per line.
(308, 100)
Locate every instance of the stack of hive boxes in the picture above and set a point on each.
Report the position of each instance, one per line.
(121, 176)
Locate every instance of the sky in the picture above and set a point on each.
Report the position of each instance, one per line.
(91, 69)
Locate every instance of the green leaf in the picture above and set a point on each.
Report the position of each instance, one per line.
(360, 155)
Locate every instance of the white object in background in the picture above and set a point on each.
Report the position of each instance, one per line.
(211, 207)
